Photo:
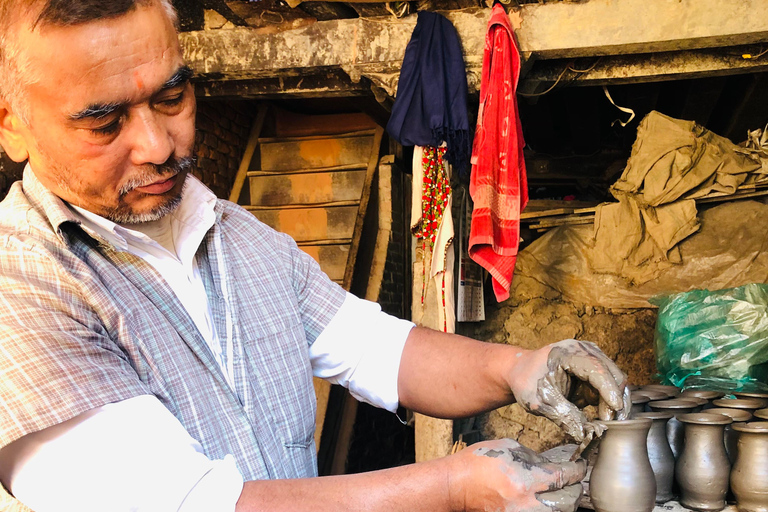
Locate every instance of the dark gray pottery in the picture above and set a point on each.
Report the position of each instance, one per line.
(638, 403)
(746, 394)
(660, 454)
(702, 470)
(749, 477)
(703, 394)
(749, 404)
(730, 436)
(622, 479)
(671, 391)
(761, 413)
(676, 406)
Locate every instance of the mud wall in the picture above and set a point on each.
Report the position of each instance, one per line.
(536, 315)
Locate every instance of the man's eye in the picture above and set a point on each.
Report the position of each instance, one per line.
(175, 100)
(108, 129)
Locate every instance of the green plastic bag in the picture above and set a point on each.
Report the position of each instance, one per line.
(714, 339)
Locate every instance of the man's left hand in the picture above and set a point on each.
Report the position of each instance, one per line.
(542, 380)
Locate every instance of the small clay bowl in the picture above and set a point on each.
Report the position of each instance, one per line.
(638, 403)
(699, 400)
(653, 395)
(673, 404)
(702, 393)
(762, 414)
(738, 415)
(750, 404)
(632, 387)
(752, 426)
(705, 418)
(745, 394)
(671, 391)
(660, 415)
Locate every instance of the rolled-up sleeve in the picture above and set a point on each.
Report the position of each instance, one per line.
(361, 349)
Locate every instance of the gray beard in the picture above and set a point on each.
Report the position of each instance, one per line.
(128, 217)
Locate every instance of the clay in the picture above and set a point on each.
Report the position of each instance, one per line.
(671, 391)
(749, 404)
(566, 499)
(761, 413)
(660, 454)
(749, 477)
(622, 479)
(675, 431)
(638, 403)
(567, 360)
(730, 436)
(745, 394)
(702, 393)
(653, 395)
(702, 469)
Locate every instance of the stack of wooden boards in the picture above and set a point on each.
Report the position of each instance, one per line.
(542, 214)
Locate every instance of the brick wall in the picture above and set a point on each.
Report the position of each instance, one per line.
(222, 134)
(395, 293)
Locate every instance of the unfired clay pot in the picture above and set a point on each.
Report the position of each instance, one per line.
(676, 406)
(750, 404)
(622, 479)
(702, 470)
(749, 477)
(660, 454)
(671, 391)
(638, 403)
(762, 414)
(746, 394)
(730, 436)
(702, 393)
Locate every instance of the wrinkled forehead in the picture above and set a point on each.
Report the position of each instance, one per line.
(118, 59)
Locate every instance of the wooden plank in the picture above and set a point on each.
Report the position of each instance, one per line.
(315, 188)
(732, 197)
(314, 152)
(549, 204)
(575, 220)
(255, 207)
(373, 161)
(307, 224)
(532, 216)
(250, 149)
(332, 258)
(351, 167)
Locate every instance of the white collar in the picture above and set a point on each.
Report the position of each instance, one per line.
(190, 222)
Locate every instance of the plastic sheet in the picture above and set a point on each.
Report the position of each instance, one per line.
(715, 339)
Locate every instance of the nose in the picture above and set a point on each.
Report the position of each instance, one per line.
(152, 142)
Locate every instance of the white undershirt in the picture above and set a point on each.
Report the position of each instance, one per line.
(98, 461)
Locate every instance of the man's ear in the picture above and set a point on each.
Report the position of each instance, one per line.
(11, 137)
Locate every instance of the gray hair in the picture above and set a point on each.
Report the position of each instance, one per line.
(15, 72)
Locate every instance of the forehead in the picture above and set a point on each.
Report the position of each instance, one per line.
(113, 60)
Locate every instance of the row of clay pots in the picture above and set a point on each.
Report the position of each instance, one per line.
(636, 463)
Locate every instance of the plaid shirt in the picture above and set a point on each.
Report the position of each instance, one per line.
(83, 324)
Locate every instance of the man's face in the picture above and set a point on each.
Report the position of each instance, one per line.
(111, 114)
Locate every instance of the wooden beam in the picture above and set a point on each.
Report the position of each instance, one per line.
(652, 67)
(374, 47)
(555, 30)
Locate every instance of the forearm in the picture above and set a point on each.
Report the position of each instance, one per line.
(424, 486)
(449, 376)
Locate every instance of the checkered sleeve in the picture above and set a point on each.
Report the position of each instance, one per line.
(319, 297)
(57, 359)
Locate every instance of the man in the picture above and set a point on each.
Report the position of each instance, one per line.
(158, 344)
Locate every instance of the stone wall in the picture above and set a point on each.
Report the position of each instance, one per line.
(222, 134)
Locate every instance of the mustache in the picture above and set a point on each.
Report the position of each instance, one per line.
(169, 169)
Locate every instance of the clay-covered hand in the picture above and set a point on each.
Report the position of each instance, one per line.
(504, 476)
(542, 379)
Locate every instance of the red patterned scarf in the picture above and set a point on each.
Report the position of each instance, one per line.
(498, 183)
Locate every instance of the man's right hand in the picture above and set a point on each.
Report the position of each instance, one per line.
(504, 476)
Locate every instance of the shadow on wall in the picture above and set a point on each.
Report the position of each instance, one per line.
(10, 171)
